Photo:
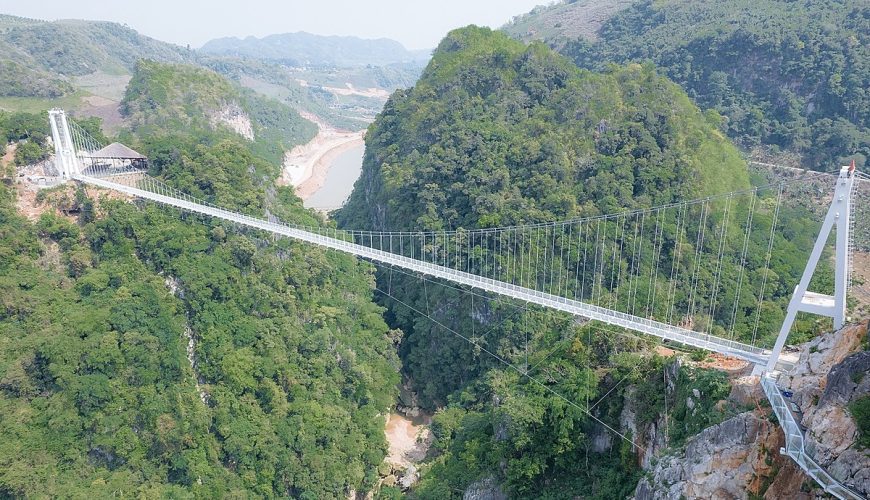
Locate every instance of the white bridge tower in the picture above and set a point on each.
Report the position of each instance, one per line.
(66, 160)
(832, 306)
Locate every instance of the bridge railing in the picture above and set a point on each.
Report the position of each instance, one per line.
(795, 445)
(644, 325)
(794, 442)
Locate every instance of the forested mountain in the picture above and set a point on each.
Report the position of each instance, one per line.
(149, 355)
(306, 49)
(87, 64)
(173, 97)
(497, 133)
(791, 74)
(42, 51)
(492, 128)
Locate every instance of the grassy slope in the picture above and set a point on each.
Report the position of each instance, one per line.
(554, 24)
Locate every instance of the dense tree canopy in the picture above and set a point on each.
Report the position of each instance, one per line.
(498, 133)
(104, 300)
(29, 131)
(788, 73)
(172, 97)
(176, 356)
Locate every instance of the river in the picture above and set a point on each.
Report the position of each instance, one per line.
(343, 173)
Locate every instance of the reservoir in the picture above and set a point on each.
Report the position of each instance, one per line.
(342, 174)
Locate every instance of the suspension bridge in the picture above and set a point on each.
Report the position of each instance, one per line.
(695, 272)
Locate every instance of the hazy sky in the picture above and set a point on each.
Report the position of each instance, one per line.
(417, 24)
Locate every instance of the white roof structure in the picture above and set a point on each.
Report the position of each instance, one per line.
(117, 150)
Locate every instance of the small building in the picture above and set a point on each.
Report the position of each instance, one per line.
(114, 157)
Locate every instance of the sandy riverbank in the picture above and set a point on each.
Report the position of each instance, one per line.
(306, 166)
(320, 167)
(408, 439)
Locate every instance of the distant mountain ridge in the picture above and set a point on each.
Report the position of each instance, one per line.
(88, 64)
(306, 49)
(74, 47)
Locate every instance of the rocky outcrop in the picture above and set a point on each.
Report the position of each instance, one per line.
(723, 461)
(740, 456)
(831, 431)
(485, 489)
(601, 439)
(408, 438)
(746, 390)
(847, 380)
(651, 438)
(809, 376)
(827, 377)
(791, 482)
(234, 117)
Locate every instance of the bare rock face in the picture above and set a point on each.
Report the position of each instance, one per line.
(847, 381)
(651, 438)
(740, 456)
(831, 431)
(817, 358)
(601, 438)
(746, 390)
(485, 489)
(790, 482)
(234, 117)
(409, 477)
(723, 461)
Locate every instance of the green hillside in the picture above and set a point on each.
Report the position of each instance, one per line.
(171, 97)
(787, 74)
(74, 48)
(53, 53)
(498, 133)
(19, 80)
(103, 300)
(557, 22)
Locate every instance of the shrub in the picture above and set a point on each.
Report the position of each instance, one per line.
(860, 410)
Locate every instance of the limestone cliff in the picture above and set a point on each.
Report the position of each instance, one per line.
(829, 376)
(650, 437)
(740, 456)
(724, 461)
(233, 116)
